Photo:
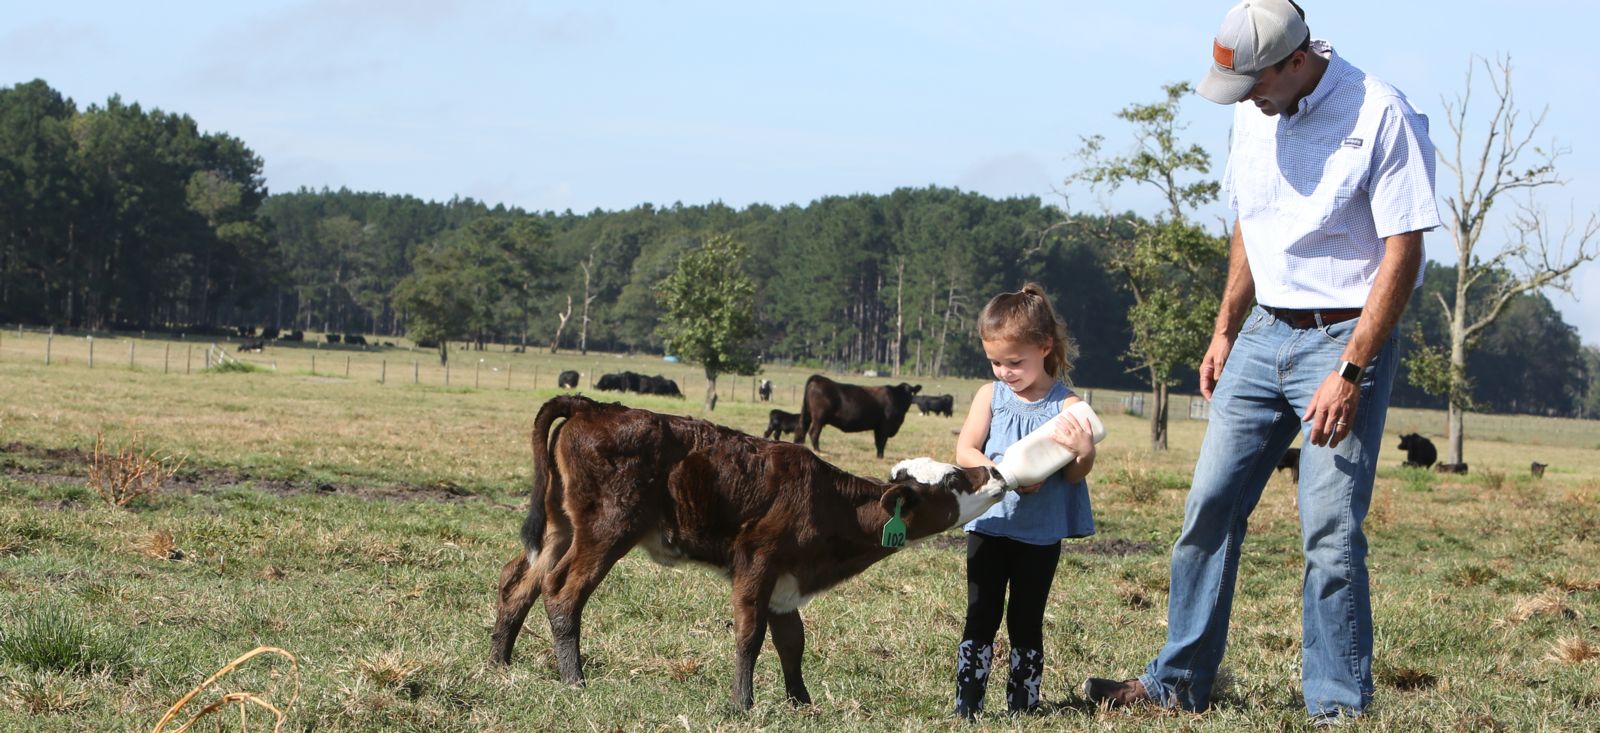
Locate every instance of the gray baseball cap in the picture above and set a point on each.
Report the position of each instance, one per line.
(1254, 35)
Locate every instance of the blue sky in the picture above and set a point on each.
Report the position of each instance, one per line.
(556, 105)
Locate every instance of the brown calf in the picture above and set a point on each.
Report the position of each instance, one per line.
(779, 522)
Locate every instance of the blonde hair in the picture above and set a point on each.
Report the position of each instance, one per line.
(1026, 315)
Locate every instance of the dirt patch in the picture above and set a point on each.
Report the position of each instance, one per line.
(56, 466)
(1111, 547)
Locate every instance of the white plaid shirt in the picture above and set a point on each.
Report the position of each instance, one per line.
(1317, 192)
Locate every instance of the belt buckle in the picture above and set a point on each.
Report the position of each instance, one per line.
(1316, 316)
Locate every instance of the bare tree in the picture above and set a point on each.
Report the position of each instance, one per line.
(555, 343)
(583, 332)
(1530, 259)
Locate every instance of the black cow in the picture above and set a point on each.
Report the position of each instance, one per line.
(568, 379)
(659, 385)
(781, 423)
(611, 383)
(1419, 450)
(938, 404)
(1291, 461)
(256, 345)
(1537, 469)
(355, 339)
(269, 333)
(852, 409)
(333, 338)
(295, 335)
(765, 390)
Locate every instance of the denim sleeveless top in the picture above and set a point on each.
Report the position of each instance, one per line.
(1058, 509)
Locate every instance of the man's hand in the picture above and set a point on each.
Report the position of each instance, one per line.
(1211, 365)
(1333, 411)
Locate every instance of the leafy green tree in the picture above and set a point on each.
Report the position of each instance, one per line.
(448, 295)
(708, 311)
(1173, 268)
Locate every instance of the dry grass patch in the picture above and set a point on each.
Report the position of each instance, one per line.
(123, 474)
(393, 670)
(1573, 650)
(162, 546)
(1552, 603)
(45, 694)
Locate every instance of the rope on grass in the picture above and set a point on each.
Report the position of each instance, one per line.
(243, 699)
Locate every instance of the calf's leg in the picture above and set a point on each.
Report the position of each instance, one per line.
(567, 589)
(789, 637)
(519, 588)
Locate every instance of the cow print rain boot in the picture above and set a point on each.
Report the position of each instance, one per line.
(1022, 689)
(972, 677)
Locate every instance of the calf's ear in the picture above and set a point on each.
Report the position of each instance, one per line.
(898, 493)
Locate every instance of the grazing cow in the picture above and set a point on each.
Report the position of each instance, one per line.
(780, 523)
(765, 390)
(1420, 452)
(611, 383)
(1537, 469)
(659, 385)
(781, 423)
(568, 379)
(1291, 461)
(256, 345)
(269, 333)
(1450, 468)
(333, 338)
(355, 339)
(295, 335)
(938, 404)
(853, 409)
(246, 331)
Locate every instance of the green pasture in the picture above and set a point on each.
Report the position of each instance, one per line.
(356, 514)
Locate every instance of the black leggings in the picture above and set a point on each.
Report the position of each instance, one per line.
(992, 562)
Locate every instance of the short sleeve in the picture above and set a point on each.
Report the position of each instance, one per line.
(1400, 181)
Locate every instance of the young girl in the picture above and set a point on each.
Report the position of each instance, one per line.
(1018, 541)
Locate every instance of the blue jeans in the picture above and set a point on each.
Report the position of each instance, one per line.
(1265, 388)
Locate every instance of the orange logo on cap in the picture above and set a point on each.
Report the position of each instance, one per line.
(1222, 55)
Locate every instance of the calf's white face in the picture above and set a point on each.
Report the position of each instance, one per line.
(947, 477)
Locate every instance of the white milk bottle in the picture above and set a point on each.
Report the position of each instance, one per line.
(1036, 456)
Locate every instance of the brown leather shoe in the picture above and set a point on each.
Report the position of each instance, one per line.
(1113, 694)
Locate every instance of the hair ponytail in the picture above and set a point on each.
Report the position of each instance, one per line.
(1027, 315)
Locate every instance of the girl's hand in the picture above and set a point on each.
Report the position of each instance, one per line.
(1074, 434)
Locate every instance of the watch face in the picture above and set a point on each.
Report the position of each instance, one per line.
(1350, 371)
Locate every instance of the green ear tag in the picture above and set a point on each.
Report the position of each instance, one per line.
(894, 530)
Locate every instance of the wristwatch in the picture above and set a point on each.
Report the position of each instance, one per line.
(1349, 371)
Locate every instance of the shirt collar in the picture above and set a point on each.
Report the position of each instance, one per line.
(1335, 73)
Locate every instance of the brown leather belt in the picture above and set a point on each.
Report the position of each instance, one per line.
(1312, 318)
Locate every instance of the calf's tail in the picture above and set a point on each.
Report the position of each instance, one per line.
(544, 466)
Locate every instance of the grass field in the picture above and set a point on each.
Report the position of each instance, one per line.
(360, 525)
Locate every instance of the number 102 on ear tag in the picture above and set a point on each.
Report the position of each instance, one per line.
(894, 530)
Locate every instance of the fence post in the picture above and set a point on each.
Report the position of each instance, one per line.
(414, 373)
(130, 353)
(48, 340)
(166, 358)
(347, 367)
(447, 374)
(536, 376)
(383, 371)
(188, 359)
(91, 351)
(476, 368)
(508, 376)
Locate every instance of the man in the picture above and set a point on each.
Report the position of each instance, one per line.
(1331, 175)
